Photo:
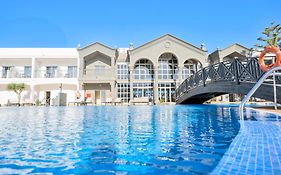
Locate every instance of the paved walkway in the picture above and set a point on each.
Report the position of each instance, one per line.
(255, 150)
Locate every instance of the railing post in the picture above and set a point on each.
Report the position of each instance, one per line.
(274, 91)
(203, 77)
(236, 71)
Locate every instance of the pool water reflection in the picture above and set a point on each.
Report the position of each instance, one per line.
(176, 139)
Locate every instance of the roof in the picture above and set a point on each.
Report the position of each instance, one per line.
(227, 50)
(38, 53)
(168, 35)
(235, 44)
(96, 43)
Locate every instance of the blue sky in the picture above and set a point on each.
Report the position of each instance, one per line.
(67, 23)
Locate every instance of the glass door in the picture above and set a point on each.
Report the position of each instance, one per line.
(166, 92)
(51, 71)
(27, 72)
(5, 71)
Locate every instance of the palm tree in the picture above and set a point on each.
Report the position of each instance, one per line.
(17, 88)
(272, 36)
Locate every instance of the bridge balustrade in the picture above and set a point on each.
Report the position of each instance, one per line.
(236, 70)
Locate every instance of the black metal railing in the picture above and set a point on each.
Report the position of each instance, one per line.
(236, 70)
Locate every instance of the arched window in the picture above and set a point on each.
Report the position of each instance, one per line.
(143, 70)
(168, 67)
(190, 67)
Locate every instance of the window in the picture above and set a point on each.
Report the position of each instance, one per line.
(168, 67)
(166, 92)
(27, 72)
(143, 90)
(99, 69)
(5, 70)
(51, 71)
(123, 92)
(72, 71)
(122, 71)
(190, 67)
(143, 70)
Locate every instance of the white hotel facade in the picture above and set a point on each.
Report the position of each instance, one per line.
(106, 74)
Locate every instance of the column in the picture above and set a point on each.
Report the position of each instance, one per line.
(180, 74)
(33, 75)
(78, 67)
(32, 93)
(112, 91)
(112, 61)
(33, 67)
(131, 82)
(155, 85)
(221, 59)
(84, 92)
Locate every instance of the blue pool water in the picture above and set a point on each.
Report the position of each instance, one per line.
(176, 139)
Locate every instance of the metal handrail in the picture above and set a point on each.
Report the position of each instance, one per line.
(271, 72)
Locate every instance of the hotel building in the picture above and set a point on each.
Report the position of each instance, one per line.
(104, 74)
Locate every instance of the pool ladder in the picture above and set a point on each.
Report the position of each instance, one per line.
(271, 72)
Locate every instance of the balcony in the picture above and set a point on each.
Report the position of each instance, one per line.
(55, 74)
(15, 74)
(38, 74)
(106, 74)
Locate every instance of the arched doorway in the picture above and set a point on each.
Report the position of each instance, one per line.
(143, 79)
(190, 66)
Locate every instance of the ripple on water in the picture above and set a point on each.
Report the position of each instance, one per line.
(115, 140)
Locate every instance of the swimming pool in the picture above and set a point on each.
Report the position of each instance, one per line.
(179, 139)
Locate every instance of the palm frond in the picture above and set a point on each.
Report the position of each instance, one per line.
(261, 39)
(259, 46)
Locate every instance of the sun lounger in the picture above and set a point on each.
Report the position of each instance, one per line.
(118, 101)
(140, 100)
(75, 103)
(107, 101)
(27, 102)
(12, 103)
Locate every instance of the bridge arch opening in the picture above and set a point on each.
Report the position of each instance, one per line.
(190, 67)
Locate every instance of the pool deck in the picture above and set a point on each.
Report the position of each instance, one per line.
(255, 150)
(270, 109)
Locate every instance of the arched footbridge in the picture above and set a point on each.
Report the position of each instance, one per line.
(228, 77)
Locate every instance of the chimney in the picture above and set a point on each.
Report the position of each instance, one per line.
(203, 47)
(78, 47)
(131, 47)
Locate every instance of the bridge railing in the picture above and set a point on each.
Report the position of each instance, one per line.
(236, 70)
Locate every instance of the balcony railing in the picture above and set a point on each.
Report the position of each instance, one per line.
(55, 74)
(38, 74)
(15, 74)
